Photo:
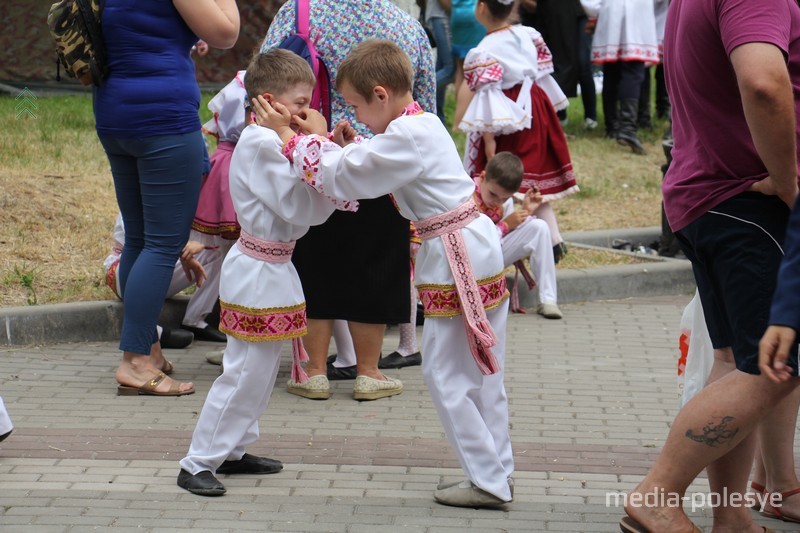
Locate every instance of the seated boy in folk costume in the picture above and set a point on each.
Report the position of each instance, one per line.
(522, 236)
(262, 300)
(459, 269)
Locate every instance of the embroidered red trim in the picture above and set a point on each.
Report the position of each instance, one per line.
(262, 324)
(442, 300)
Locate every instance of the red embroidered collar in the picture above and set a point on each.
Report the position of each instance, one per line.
(412, 109)
(494, 213)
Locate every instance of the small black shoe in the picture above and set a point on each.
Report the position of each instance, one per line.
(175, 338)
(251, 464)
(336, 373)
(207, 333)
(395, 360)
(4, 436)
(420, 314)
(203, 483)
(559, 251)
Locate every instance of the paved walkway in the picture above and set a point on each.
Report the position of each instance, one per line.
(591, 397)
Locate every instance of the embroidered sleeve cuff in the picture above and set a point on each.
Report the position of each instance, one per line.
(288, 148)
(503, 227)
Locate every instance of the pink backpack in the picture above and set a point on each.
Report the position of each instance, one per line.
(301, 44)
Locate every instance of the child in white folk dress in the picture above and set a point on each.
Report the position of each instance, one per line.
(261, 299)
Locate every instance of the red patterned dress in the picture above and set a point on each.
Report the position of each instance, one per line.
(515, 98)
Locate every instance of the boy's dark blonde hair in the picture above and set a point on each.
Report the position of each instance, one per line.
(506, 170)
(275, 72)
(376, 62)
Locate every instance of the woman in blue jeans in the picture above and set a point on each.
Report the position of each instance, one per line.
(148, 123)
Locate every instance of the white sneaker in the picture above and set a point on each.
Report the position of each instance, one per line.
(590, 124)
(549, 311)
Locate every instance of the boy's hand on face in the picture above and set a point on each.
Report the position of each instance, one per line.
(312, 122)
(514, 219)
(343, 133)
(273, 116)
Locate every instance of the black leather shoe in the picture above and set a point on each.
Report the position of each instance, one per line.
(203, 483)
(420, 314)
(207, 333)
(176, 338)
(4, 436)
(251, 464)
(395, 360)
(336, 373)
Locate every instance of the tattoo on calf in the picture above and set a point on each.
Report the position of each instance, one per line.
(715, 434)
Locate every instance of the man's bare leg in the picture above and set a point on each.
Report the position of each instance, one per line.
(727, 475)
(711, 425)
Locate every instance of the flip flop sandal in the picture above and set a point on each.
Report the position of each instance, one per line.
(629, 525)
(149, 388)
(776, 513)
(760, 489)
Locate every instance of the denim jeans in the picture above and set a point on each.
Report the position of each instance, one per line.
(445, 66)
(157, 182)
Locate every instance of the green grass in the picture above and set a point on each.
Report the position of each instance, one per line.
(57, 203)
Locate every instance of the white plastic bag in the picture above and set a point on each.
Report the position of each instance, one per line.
(696, 354)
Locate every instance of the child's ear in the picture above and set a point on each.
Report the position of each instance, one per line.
(482, 177)
(268, 97)
(380, 93)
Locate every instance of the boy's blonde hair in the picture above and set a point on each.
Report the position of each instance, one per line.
(376, 62)
(506, 170)
(275, 72)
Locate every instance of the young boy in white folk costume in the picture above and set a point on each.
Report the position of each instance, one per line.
(521, 235)
(262, 300)
(459, 269)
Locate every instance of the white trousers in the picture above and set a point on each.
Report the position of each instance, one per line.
(5, 420)
(473, 408)
(228, 422)
(531, 239)
(202, 301)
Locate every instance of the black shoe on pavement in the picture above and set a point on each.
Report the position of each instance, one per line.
(395, 360)
(336, 373)
(251, 464)
(4, 436)
(203, 483)
(207, 333)
(175, 338)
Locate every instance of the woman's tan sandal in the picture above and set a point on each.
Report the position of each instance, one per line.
(149, 388)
